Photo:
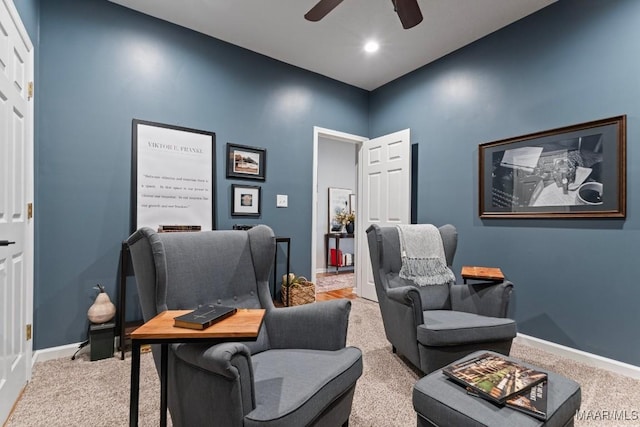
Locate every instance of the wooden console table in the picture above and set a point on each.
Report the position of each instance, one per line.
(244, 324)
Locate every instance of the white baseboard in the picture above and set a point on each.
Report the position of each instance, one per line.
(590, 359)
(56, 353)
(63, 351)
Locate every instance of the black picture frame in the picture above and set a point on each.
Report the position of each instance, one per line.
(246, 200)
(173, 176)
(245, 162)
(576, 171)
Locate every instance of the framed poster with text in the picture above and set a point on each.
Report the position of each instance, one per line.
(173, 176)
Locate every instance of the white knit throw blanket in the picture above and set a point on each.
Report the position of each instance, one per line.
(423, 258)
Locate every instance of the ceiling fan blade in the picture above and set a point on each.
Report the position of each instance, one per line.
(409, 12)
(319, 11)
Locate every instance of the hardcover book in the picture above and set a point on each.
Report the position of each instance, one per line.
(174, 228)
(493, 377)
(204, 316)
(532, 402)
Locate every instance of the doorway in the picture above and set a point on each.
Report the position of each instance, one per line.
(342, 149)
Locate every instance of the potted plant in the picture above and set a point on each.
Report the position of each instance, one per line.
(347, 219)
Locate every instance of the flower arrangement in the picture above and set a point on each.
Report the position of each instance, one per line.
(344, 217)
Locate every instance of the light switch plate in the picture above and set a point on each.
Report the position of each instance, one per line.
(282, 201)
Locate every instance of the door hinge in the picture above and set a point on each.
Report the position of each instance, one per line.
(28, 331)
(29, 210)
(29, 91)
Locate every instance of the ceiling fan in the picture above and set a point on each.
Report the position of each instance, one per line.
(408, 11)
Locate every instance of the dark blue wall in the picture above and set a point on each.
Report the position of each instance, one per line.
(29, 11)
(576, 281)
(102, 65)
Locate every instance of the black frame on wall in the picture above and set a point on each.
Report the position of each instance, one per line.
(576, 171)
(175, 142)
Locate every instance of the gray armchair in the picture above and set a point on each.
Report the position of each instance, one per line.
(433, 326)
(298, 371)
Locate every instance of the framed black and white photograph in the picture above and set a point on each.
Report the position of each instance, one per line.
(246, 162)
(173, 176)
(245, 200)
(338, 202)
(577, 171)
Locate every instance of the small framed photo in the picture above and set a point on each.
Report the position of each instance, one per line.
(246, 162)
(245, 200)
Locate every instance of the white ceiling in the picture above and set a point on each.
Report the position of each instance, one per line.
(334, 46)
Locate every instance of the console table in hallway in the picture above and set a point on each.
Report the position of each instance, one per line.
(336, 237)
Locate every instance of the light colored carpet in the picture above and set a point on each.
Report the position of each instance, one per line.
(81, 393)
(330, 281)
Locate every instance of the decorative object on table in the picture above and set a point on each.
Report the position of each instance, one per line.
(338, 202)
(297, 290)
(173, 178)
(102, 310)
(346, 219)
(246, 162)
(204, 316)
(576, 171)
(245, 200)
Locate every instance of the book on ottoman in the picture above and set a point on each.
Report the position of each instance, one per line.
(532, 401)
(493, 377)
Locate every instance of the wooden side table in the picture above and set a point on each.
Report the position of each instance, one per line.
(492, 274)
(244, 324)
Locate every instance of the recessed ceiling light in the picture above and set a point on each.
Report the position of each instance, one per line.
(371, 46)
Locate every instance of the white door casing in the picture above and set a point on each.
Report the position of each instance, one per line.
(318, 133)
(16, 191)
(384, 195)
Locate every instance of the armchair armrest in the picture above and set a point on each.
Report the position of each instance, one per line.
(224, 369)
(221, 359)
(488, 299)
(409, 296)
(318, 326)
(406, 295)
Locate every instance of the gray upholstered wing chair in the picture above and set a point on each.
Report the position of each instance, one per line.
(298, 372)
(433, 326)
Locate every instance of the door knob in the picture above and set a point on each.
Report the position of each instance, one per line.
(6, 243)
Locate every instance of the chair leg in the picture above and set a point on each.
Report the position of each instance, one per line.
(393, 349)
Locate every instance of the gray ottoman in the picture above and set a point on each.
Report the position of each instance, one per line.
(439, 401)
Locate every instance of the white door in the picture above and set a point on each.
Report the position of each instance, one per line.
(16, 190)
(384, 195)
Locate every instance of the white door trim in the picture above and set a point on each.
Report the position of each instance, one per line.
(319, 132)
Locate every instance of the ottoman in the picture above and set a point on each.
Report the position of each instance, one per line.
(439, 401)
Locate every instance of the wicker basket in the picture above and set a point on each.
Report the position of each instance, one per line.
(300, 292)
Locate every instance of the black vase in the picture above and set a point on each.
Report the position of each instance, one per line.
(350, 227)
